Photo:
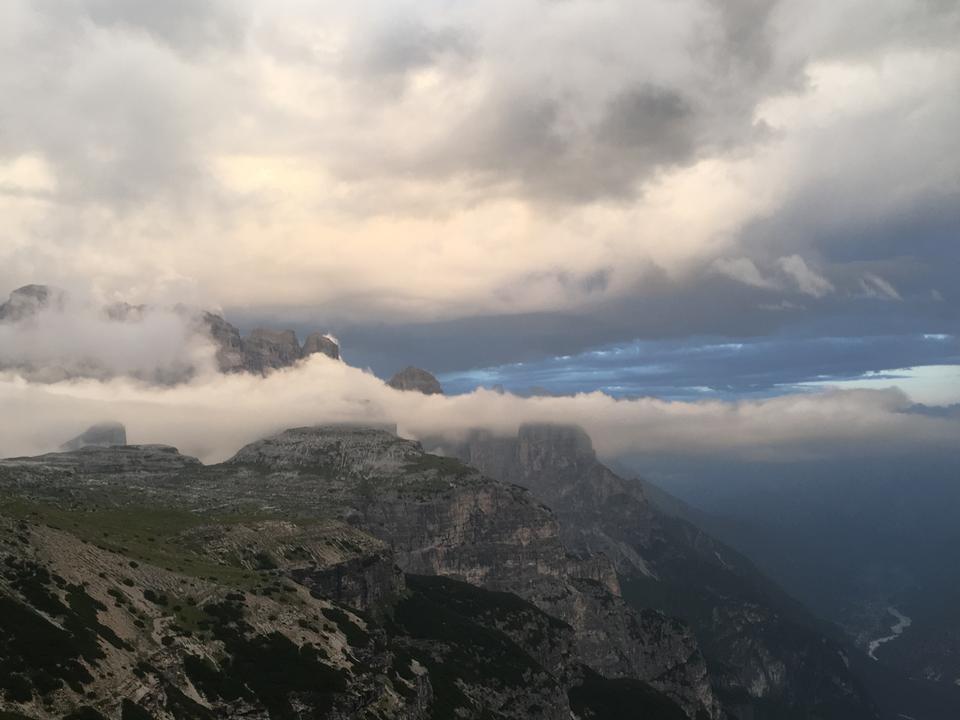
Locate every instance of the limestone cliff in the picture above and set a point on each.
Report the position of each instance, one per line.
(336, 572)
(763, 651)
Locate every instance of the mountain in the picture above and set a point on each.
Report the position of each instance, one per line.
(103, 434)
(324, 572)
(417, 380)
(260, 352)
(852, 539)
(27, 301)
(766, 656)
(263, 349)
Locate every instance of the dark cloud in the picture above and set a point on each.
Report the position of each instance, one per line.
(189, 26)
(137, 111)
(651, 123)
(403, 44)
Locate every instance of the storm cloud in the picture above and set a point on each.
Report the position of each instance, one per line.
(467, 185)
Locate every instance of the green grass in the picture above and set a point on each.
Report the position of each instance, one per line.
(146, 535)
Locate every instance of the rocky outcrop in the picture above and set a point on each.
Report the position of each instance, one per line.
(763, 651)
(323, 344)
(226, 338)
(25, 302)
(416, 380)
(514, 628)
(263, 350)
(266, 350)
(104, 434)
(442, 518)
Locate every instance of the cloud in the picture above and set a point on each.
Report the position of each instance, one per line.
(213, 416)
(158, 345)
(876, 287)
(742, 270)
(807, 281)
(427, 163)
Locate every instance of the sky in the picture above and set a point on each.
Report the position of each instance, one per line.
(695, 201)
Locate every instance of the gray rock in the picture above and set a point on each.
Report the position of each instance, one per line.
(105, 434)
(27, 301)
(772, 653)
(319, 343)
(442, 518)
(326, 514)
(417, 380)
(226, 338)
(265, 349)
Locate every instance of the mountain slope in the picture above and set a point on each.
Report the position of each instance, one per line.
(766, 656)
(274, 586)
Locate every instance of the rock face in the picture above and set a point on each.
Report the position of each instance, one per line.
(442, 518)
(764, 653)
(270, 349)
(335, 572)
(263, 350)
(417, 380)
(323, 344)
(27, 301)
(226, 338)
(99, 435)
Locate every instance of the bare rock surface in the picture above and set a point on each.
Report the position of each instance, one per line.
(416, 380)
(762, 649)
(320, 343)
(104, 434)
(328, 571)
(25, 302)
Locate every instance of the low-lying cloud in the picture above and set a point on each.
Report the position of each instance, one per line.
(159, 345)
(211, 416)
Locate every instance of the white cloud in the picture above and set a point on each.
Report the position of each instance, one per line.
(80, 340)
(875, 286)
(423, 160)
(212, 416)
(806, 280)
(742, 270)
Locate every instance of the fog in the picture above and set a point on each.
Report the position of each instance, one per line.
(80, 339)
(212, 415)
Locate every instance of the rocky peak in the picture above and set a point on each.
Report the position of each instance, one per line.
(27, 301)
(320, 343)
(263, 349)
(141, 460)
(104, 434)
(413, 378)
(226, 337)
(333, 447)
(266, 349)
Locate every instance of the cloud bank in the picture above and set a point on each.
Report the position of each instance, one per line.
(405, 161)
(212, 416)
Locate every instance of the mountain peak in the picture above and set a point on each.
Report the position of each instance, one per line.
(416, 379)
(321, 446)
(30, 299)
(105, 434)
